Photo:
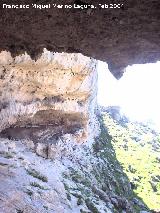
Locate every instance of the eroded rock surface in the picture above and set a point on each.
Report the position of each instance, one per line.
(120, 37)
(30, 183)
(47, 99)
(89, 180)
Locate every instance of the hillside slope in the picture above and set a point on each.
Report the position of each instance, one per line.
(115, 174)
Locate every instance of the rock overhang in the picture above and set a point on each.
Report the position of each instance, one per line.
(45, 100)
(121, 36)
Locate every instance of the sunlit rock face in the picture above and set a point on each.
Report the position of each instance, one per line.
(46, 99)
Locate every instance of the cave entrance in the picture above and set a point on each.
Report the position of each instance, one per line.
(136, 93)
(136, 139)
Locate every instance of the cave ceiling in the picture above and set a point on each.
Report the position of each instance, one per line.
(121, 36)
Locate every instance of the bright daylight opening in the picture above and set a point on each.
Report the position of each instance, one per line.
(137, 92)
(131, 115)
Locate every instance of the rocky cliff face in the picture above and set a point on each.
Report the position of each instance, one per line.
(92, 181)
(47, 108)
(46, 100)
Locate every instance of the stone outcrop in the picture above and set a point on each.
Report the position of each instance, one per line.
(28, 182)
(46, 100)
(120, 37)
(93, 182)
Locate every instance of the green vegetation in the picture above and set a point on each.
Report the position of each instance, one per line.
(69, 197)
(6, 154)
(45, 207)
(29, 192)
(35, 184)
(3, 164)
(137, 149)
(91, 206)
(79, 201)
(37, 175)
(100, 177)
(19, 211)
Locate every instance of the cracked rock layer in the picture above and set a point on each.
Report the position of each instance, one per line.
(49, 98)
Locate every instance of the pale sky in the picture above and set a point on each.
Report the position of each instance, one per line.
(137, 92)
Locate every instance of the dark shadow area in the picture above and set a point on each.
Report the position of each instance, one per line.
(45, 126)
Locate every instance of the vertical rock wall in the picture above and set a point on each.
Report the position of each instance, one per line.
(45, 99)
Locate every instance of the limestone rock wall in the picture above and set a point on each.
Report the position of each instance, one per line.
(45, 99)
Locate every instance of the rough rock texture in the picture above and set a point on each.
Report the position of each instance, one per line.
(47, 99)
(120, 37)
(29, 182)
(90, 181)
